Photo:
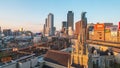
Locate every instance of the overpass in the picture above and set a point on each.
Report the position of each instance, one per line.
(104, 43)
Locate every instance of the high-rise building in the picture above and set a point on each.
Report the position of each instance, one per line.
(51, 24)
(44, 29)
(46, 23)
(77, 28)
(70, 20)
(64, 24)
(54, 29)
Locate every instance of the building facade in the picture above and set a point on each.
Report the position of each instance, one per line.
(44, 29)
(104, 32)
(64, 27)
(77, 28)
(0, 30)
(64, 24)
(49, 28)
(70, 20)
(51, 23)
(7, 32)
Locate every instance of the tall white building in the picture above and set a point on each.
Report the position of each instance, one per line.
(51, 24)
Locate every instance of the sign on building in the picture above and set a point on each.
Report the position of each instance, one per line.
(119, 25)
(107, 29)
(114, 34)
(99, 27)
(114, 30)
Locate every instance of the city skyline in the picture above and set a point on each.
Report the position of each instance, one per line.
(30, 15)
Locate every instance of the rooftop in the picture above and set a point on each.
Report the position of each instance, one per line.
(58, 57)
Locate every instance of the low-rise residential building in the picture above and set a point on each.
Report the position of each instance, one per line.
(104, 32)
(100, 59)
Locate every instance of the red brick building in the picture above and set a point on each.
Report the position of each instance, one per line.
(77, 28)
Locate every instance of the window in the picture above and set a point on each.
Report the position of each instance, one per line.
(110, 63)
(97, 64)
(100, 37)
(100, 34)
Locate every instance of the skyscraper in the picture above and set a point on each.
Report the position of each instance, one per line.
(70, 20)
(46, 24)
(77, 28)
(51, 24)
(64, 24)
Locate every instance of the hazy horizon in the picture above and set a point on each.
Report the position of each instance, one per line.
(31, 14)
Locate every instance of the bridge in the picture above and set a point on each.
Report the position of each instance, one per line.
(104, 43)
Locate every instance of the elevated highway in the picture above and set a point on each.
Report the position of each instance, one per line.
(104, 43)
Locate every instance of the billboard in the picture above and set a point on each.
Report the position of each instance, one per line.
(119, 25)
(91, 32)
(99, 27)
(107, 29)
(114, 30)
(114, 34)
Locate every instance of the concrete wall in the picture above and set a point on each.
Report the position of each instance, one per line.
(103, 61)
(108, 37)
(82, 60)
(24, 64)
(12, 65)
(34, 62)
(54, 65)
(117, 57)
(99, 35)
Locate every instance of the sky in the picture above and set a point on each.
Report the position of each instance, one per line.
(31, 14)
